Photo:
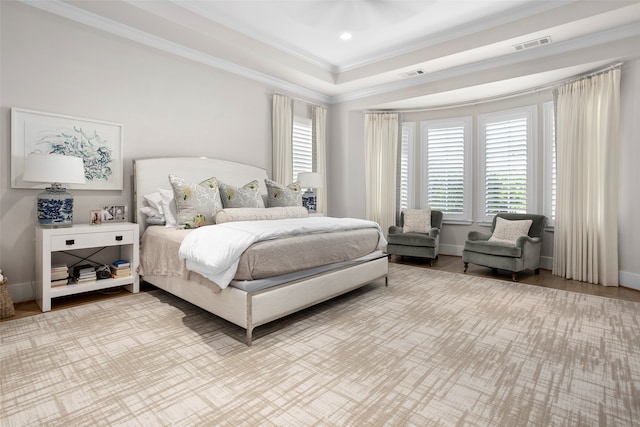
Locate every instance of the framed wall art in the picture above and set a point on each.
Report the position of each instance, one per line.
(98, 143)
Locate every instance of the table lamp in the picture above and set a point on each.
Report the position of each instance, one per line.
(309, 180)
(55, 204)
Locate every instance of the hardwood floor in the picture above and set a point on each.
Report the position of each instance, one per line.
(454, 264)
(445, 263)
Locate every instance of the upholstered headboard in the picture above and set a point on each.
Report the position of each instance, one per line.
(151, 174)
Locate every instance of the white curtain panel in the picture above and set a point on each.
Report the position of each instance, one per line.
(381, 142)
(587, 144)
(282, 136)
(320, 135)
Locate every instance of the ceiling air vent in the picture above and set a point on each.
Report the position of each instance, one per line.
(413, 73)
(533, 43)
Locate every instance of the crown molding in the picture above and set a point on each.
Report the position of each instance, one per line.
(82, 16)
(590, 40)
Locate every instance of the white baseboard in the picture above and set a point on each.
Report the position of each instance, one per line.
(21, 291)
(453, 250)
(629, 280)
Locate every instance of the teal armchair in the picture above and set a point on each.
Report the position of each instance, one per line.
(523, 255)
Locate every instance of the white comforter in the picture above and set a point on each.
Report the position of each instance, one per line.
(214, 251)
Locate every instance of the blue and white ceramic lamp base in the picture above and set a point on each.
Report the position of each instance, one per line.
(55, 208)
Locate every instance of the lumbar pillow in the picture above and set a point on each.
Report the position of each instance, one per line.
(416, 220)
(281, 196)
(247, 196)
(258, 214)
(507, 231)
(196, 204)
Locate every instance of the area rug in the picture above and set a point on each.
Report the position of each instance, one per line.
(431, 349)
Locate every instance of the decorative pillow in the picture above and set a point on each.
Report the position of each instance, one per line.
(168, 207)
(196, 204)
(417, 220)
(257, 214)
(247, 196)
(154, 200)
(507, 231)
(279, 195)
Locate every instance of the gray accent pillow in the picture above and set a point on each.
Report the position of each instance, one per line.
(281, 196)
(196, 204)
(247, 196)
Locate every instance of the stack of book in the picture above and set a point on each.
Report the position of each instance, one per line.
(59, 275)
(84, 273)
(120, 268)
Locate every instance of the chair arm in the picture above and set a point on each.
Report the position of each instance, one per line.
(434, 232)
(476, 235)
(395, 230)
(524, 240)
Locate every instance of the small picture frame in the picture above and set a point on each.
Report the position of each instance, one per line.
(95, 217)
(115, 213)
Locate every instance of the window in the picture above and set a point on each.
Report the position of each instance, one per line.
(446, 168)
(549, 163)
(506, 142)
(302, 149)
(405, 167)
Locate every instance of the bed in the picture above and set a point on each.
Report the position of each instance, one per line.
(246, 301)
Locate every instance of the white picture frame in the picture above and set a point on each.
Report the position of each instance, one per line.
(98, 143)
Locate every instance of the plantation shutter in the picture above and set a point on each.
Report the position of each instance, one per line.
(506, 166)
(403, 167)
(445, 169)
(302, 147)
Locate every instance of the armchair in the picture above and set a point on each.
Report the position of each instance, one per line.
(416, 244)
(519, 253)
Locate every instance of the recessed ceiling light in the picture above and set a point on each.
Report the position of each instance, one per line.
(345, 36)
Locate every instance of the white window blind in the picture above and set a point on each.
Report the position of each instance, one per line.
(406, 154)
(302, 149)
(446, 173)
(506, 144)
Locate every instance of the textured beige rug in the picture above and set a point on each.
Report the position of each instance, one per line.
(433, 348)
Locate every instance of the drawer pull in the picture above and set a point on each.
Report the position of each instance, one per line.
(70, 242)
(118, 238)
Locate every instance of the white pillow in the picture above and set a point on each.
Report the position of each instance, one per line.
(416, 220)
(508, 231)
(150, 211)
(168, 207)
(154, 200)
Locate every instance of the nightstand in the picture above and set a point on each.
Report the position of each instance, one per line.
(101, 244)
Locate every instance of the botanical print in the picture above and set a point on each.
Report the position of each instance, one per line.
(93, 150)
(98, 144)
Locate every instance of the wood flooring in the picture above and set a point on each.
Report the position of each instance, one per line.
(445, 263)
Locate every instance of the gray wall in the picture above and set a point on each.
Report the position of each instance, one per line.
(168, 106)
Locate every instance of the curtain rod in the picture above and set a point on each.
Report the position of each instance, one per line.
(315, 104)
(551, 86)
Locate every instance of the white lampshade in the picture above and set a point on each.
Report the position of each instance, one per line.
(310, 180)
(55, 204)
(54, 168)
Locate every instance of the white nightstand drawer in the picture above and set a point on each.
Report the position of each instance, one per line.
(92, 240)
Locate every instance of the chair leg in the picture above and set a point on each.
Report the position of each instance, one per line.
(431, 262)
(537, 271)
(513, 276)
(466, 265)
